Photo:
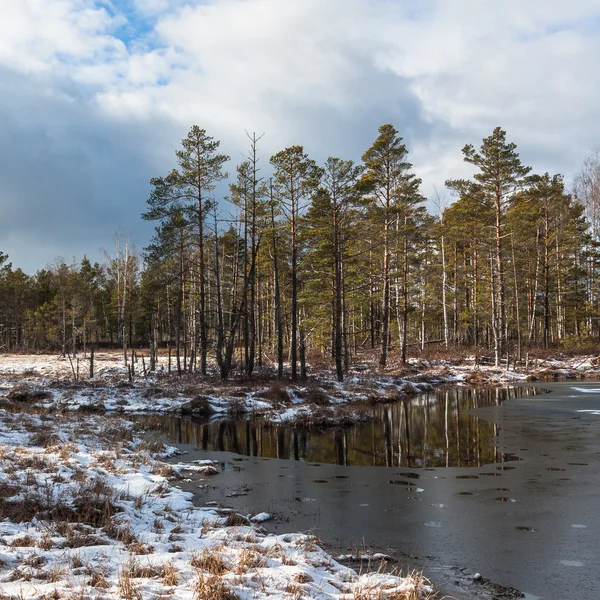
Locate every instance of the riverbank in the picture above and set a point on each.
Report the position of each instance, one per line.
(132, 540)
(52, 382)
(90, 510)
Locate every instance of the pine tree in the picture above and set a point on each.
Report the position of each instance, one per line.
(188, 189)
(295, 179)
(392, 189)
(500, 176)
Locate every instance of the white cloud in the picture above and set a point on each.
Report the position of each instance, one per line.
(43, 35)
(324, 73)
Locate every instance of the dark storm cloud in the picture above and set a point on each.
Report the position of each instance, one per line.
(68, 179)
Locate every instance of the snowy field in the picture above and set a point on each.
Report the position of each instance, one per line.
(54, 382)
(57, 383)
(90, 510)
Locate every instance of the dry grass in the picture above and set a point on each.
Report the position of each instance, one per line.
(121, 533)
(92, 503)
(128, 590)
(235, 520)
(97, 579)
(317, 396)
(56, 573)
(163, 469)
(303, 578)
(95, 503)
(26, 394)
(45, 437)
(388, 592)
(137, 571)
(210, 561)
(33, 560)
(111, 434)
(293, 591)
(45, 543)
(248, 559)
(277, 393)
(25, 541)
(308, 543)
(169, 574)
(212, 587)
(140, 548)
(76, 561)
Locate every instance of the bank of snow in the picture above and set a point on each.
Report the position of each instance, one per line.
(49, 382)
(88, 511)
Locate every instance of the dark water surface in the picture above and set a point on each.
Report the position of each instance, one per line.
(503, 482)
(431, 430)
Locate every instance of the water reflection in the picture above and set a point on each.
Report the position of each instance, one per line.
(431, 430)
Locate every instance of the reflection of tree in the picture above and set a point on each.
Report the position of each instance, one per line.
(431, 430)
(341, 447)
(387, 433)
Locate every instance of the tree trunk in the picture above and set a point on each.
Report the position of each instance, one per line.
(338, 309)
(277, 299)
(385, 307)
(444, 287)
(202, 284)
(294, 336)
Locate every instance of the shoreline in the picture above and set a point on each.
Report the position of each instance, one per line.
(45, 412)
(49, 382)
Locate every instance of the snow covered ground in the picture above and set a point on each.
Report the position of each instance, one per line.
(54, 382)
(89, 511)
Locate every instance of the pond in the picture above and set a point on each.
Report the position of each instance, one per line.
(431, 430)
(504, 482)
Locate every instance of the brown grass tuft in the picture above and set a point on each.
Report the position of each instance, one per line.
(210, 561)
(277, 393)
(127, 588)
(235, 520)
(212, 587)
(25, 541)
(98, 580)
(169, 574)
(248, 559)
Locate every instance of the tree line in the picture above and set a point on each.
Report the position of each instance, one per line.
(302, 262)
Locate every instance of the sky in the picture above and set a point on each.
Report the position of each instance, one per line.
(96, 95)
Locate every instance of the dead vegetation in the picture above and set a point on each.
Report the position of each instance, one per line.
(212, 587)
(234, 519)
(210, 561)
(199, 406)
(27, 394)
(128, 589)
(277, 394)
(58, 485)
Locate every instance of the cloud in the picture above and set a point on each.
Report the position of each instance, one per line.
(96, 94)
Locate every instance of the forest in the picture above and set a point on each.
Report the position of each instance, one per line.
(303, 264)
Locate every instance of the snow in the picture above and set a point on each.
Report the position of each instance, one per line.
(48, 382)
(261, 517)
(90, 510)
(323, 402)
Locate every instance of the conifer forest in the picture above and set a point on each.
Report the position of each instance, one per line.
(288, 262)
